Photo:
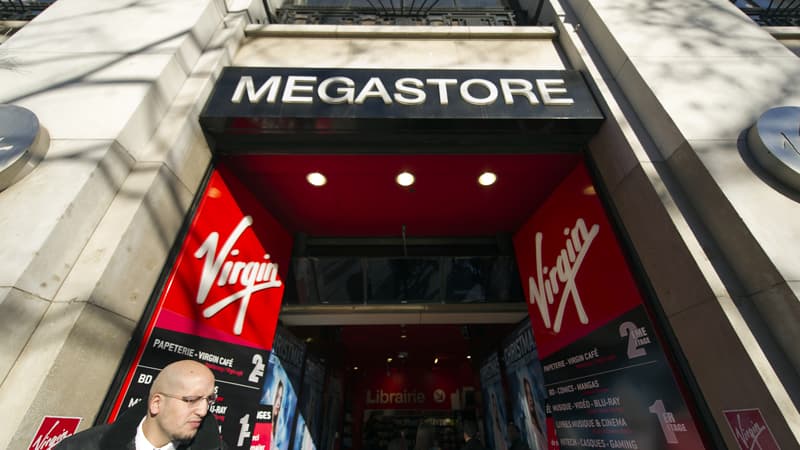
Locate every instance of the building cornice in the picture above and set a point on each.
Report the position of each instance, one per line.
(401, 31)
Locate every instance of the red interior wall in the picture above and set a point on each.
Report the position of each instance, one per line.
(395, 380)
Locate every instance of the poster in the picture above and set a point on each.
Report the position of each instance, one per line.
(282, 386)
(219, 306)
(526, 386)
(308, 430)
(332, 407)
(607, 378)
(494, 403)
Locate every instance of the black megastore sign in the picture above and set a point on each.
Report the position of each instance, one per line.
(384, 93)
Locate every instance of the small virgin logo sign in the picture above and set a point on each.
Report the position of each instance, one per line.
(750, 430)
(53, 430)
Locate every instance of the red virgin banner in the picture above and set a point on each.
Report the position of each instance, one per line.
(53, 430)
(571, 258)
(607, 378)
(750, 429)
(219, 306)
(226, 283)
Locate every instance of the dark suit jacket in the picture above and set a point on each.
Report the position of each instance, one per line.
(121, 434)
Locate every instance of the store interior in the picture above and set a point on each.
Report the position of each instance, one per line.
(391, 375)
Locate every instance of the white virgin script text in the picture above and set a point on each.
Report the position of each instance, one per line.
(253, 276)
(748, 435)
(47, 441)
(549, 281)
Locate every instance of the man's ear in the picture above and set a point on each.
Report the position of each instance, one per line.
(154, 405)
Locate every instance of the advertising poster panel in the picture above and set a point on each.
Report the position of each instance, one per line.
(307, 433)
(608, 380)
(526, 386)
(219, 306)
(282, 387)
(494, 403)
(332, 411)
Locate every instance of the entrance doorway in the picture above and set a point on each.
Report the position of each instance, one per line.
(398, 378)
(400, 290)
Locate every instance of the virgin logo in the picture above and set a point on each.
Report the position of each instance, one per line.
(559, 278)
(252, 276)
(748, 435)
(47, 441)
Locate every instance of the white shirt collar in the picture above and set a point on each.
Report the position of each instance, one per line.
(143, 444)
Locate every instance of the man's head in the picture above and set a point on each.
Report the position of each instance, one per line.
(470, 429)
(179, 400)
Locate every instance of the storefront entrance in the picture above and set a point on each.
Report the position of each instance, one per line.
(326, 232)
(398, 295)
(396, 377)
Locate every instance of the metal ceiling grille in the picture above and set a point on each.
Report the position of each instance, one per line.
(771, 12)
(21, 9)
(402, 12)
(315, 16)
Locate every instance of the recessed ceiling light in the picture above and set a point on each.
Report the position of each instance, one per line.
(469, 356)
(405, 179)
(388, 360)
(487, 179)
(316, 179)
(436, 360)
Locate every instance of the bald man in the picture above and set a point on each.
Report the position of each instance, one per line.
(175, 416)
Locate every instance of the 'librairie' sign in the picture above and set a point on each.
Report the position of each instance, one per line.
(389, 93)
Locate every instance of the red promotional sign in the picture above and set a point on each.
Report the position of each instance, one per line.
(221, 301)
(570, 259)
(53, 430)
(608, 379)
(750, 429)
(414, 389)
(225, 284)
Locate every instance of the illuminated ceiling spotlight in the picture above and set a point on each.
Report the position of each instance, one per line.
(487, 179)
(469, 356)
(436, 360)
(405, 179)
(316, 179)
(389, 359)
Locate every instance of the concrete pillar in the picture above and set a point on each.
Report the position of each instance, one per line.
(717, 237)
(118, 85)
